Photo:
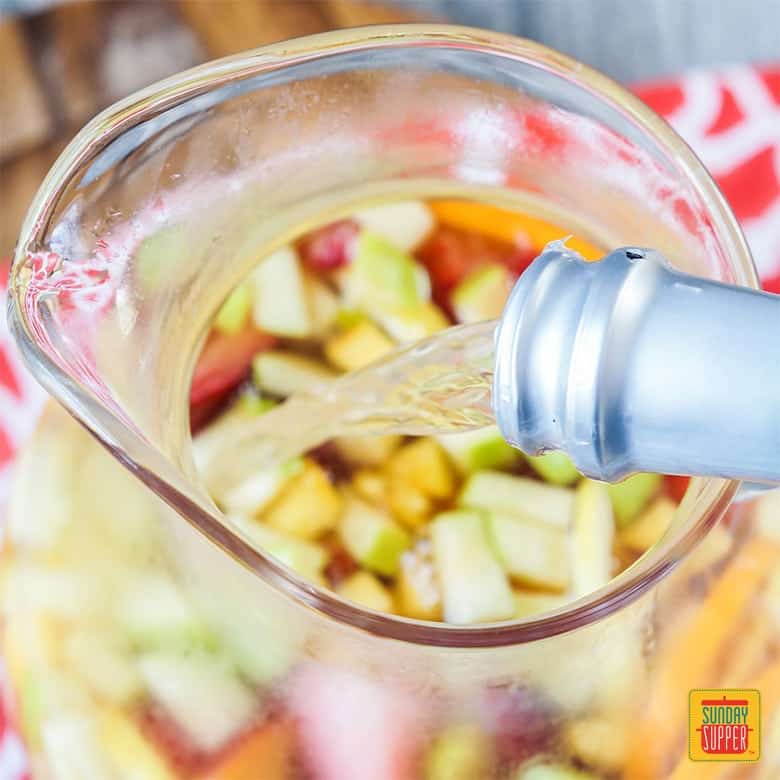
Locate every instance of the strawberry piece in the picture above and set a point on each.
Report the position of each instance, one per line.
(328, 247)
(225, 362)
(354, 728)
(675, 487)
(523, 723)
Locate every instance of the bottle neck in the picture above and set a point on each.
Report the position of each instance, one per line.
(629, 365)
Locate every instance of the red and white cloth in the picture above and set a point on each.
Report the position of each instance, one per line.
(730, 117)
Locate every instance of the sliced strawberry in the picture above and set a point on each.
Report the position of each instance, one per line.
(225, 362)
(330, 246)
(523, 723)
(675, 487)
(355, 728)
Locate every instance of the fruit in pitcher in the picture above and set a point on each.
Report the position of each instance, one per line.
(234, 312)
(593, 530)
(405, 224)
(643, 532)
(309, 505)
(474, 586)
(281, 304)
(281, 373)
(482, 294)
(365, 589)
(483, 448)
(371, 537)
(497, 492)
(461, 752)
(356, 347)
(531, 552)
(381, 275)
(632, 495)
(554, 467)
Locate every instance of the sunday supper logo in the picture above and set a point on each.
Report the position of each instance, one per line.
(724, 725)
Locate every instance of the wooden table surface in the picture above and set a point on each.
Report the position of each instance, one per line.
(60, 67)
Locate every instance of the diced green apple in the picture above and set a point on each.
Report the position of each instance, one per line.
(382, 275)
(365, 589)
(474, 586)
(410, 323)
(372, 538)
(103, 664)
(461, 752)
(484, 448)
(154, 613)
(257, 491)
(282, 373)
(482, 295)
(551, 772)
(405, 225)
(281, 305)
(554, 467)
(304, 558)
(234, 312)
(157, 260)
(201, 694)
(632, 495)
(531, 552)
(59, 592)
(520, 496)
(593, 532)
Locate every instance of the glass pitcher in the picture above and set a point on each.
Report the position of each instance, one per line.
(153, 214)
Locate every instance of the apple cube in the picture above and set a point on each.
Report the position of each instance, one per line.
(554, 467)
(103, 663)
(371, 537)
(632, 495)
(521, 496)
(365, 589)
(305, 558)
(234, 312)
(201, 694)
(599, 742)
(308, 507)
(642, 533)
(411, 323)
(281, 304)
(358, 346)
(483, 448)
(383, 275)
(405, 224)
(531, 552)
(474, 586)
(153, 612)
(482, 295)
(593, 532)
(281, 373)
(257, 491)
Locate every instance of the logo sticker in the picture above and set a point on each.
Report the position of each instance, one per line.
(724, 725)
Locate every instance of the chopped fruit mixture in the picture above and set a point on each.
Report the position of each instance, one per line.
(460, 528)
(130, 662)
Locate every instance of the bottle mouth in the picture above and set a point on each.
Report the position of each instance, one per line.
(703, 505)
